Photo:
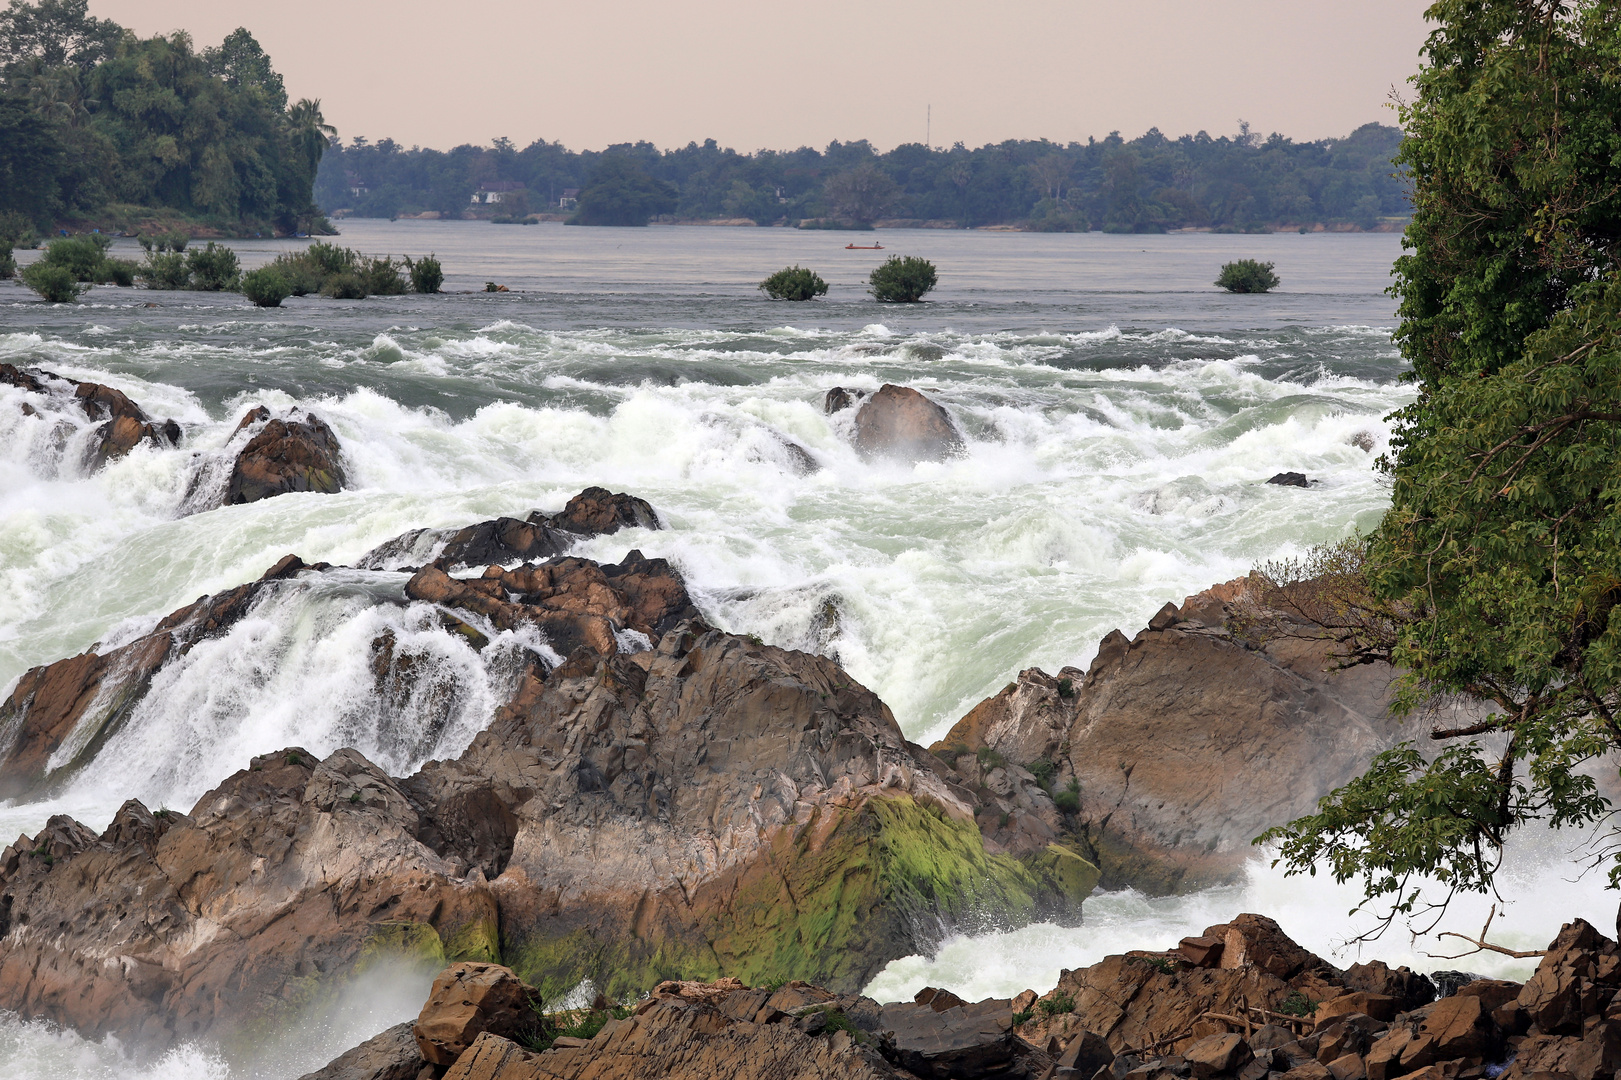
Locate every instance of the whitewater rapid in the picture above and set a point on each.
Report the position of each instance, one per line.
(1118, 444)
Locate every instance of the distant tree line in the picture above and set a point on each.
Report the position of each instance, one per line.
(95, 121)
(1147, 184)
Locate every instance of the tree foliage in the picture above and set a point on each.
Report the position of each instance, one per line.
(1147, 184)
(622, 193)
(92, 116)
(1497, 570)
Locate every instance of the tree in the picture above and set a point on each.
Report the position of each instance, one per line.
(899, 280)
(863, 194)
(56, 33)
(1496, 573)
(1247, 276)
(622, 193)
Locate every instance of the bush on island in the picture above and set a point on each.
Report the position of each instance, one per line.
(56, 284)
(164, 270)
(8, 264)
(213, 268)
(382, 276)
(266, 286)
(426, 273)
(902, 279)
(345, 286)
(794, 283)
(1247, 276)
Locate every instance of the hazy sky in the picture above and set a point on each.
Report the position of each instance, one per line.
(780, 75)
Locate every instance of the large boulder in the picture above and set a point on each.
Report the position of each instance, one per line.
(1581, 965)
(121, 424)
(468, 1000)
(901, 424)
(297, 452)
(1184, 743)
(389, 1055)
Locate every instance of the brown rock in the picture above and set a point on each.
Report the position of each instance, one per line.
(1186, 743)
(1217, 1054)
(392, 1055)
(1596, 1055)
(295, 453)
(1202, 951)
(1454, 1027)
(1311, 1070)
(468, 1000)
(839, 398)
(900, 423)
(1580, 962)
(1409, 989)
(1352, 1033)
(1377, 1006)
(1349, 1067)
(598, 512)
(1493, 993)
(1029, 719)
(939, 1000)
(1087, 1053)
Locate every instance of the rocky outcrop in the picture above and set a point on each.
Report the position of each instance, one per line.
(1177, 747)
(60, 715)
(901, 424)
(699, 1031)
(1262, 1006)
(466, 1001)
(840, 398)
(593, 512)
(707, 807)
(297, 452)
(122, 425)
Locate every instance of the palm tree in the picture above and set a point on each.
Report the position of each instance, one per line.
(310, 131)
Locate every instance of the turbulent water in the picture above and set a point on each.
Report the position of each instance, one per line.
(1121, 418)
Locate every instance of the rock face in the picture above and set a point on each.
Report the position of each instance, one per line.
(123, 425)
(899, 423)
(1184, 743)
(293, 453)
(593, 512)
(59, 715)
(709, 806)
(390, 1055)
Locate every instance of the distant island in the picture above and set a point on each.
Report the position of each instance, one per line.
(1149, 184)
(102, 129)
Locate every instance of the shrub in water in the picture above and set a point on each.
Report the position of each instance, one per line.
(426, 274)
(8, 265)
(164, 270)
(382, 276)
(56, 284)
(902, 280)
(794, 283)
(265, 286)
(345, 286)
(213, 268)
(1247, 276)
(81, 256)
(117, 272)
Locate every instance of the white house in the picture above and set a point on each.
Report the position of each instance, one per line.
(497, 191)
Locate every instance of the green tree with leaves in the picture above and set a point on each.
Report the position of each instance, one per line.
(1496, 574)
(622, 193)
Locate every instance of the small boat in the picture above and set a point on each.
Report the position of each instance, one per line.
(863, 247)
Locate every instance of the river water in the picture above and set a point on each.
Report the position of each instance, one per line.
(1121, 414)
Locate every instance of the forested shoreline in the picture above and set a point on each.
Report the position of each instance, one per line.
(101, 128)
(1148, 184)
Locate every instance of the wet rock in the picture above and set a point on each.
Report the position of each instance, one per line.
(88, 697)
(1028, 720)
(468, 1000)
(593, 512)
(391, 1055)
(839, 398)
(901, 424)
(298, 452)
(1290, 479)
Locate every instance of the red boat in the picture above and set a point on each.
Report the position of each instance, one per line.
(863, 247)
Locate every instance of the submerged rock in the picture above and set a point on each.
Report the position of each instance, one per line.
(900, 423)
(297, 452)
(593, 512)
(840, 398)
(73, 706)
(1290, 479)
(123, 423)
